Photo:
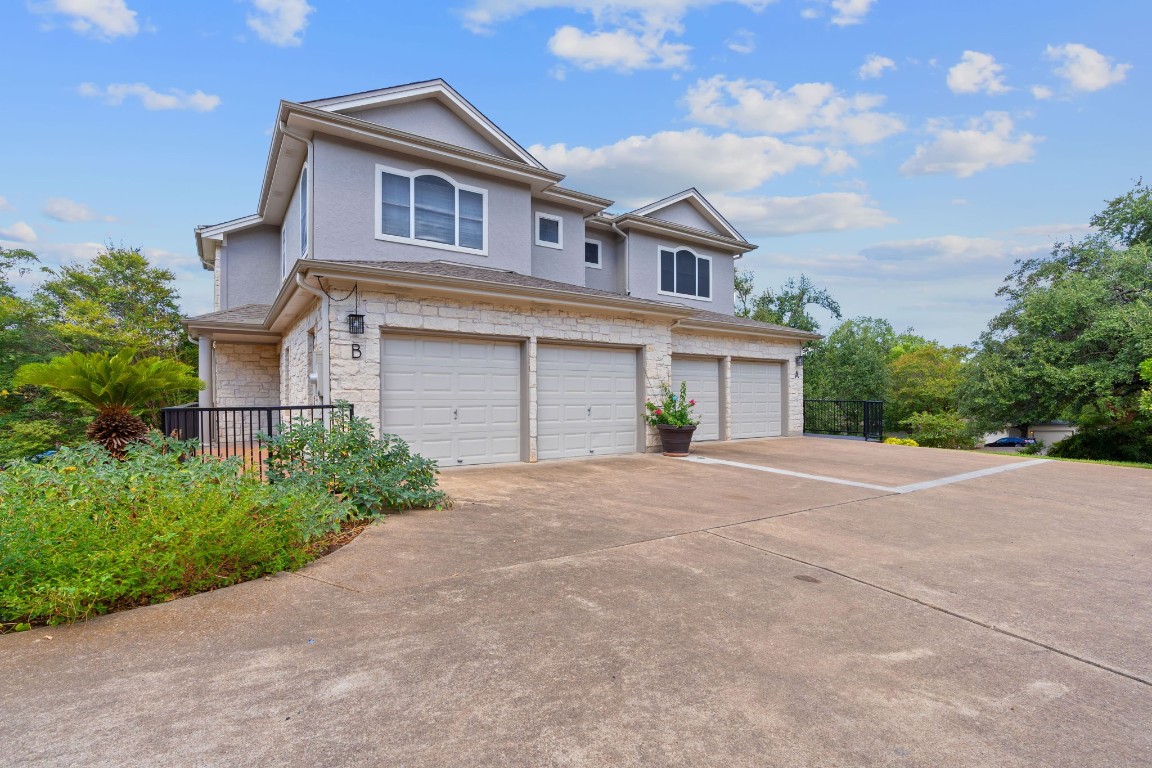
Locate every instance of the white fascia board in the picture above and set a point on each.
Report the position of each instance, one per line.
(436, 88)
(683, 233)
(699, 202)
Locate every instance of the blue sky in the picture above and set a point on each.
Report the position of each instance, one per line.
(902, 154)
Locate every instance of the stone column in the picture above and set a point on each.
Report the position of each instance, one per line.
(530, 398)
(726, 398)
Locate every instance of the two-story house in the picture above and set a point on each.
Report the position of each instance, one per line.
(408, 256)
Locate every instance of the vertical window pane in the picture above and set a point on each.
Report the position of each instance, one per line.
(704, 279)
(471, 220)
(304, 211)
(435, 201)
(592, 253)
(686, 273)
(549, 230)
(395, 203)
(668, 271)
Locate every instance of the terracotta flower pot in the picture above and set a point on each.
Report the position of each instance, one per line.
(675, 440)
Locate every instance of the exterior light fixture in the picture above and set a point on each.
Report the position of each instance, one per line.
(355, 323)
(799, 364)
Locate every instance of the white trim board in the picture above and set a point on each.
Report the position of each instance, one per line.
(900, 489)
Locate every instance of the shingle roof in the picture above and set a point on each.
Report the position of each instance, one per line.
(248, 314)
(716, 317)
(501, 276)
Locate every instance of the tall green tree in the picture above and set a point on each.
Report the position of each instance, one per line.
(925, 379)
(852, 362)
(118, 300)
(1077, 326)
(787, 306)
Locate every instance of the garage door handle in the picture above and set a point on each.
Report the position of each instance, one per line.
(455, 413)
(589, 410)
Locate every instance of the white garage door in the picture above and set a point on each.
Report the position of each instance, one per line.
(703, 379)
(586, 401)
(755, 399)
(454, 400)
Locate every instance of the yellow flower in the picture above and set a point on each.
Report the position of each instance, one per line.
(69, 469)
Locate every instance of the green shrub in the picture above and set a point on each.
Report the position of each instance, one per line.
(1125, 442)
(1033, 449)
(85, 533)
(901, 441)
(374, 474)
(940, 430)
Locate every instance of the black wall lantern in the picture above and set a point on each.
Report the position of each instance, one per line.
(355, 323)
(799, 364)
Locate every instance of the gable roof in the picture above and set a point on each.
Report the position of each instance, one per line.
(429, 89)
(693, 197)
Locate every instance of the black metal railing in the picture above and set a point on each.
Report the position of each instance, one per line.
(228, 432)
(859, 418)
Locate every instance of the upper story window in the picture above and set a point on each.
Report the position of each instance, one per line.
(549, 230)
(592, 253)
(304, 211)
(430, 208)
(685, 273)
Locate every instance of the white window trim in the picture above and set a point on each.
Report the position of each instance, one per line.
(410, 175)
(305, 217)
(599, 254)
(699, 256)
(559, 246)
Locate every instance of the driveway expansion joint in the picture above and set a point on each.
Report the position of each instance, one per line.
(909, 488)
(948, 612)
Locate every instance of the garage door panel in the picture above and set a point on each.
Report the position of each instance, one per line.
(756, 404)
(454, 400)
(594, 408)
(703, 379)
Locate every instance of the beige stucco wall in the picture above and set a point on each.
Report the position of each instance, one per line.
(750, 348)
(246, 374)
(358, 380)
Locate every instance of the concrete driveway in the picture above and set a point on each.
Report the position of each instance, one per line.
(789, 602)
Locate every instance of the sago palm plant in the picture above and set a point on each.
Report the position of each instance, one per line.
(114, 385)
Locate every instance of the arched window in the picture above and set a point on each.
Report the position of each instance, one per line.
(685, 273)
(430, 208)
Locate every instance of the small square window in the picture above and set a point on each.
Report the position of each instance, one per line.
(592, 253)
(549, 231)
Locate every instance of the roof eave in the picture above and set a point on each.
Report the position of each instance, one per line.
(697, 235)
(711, 326)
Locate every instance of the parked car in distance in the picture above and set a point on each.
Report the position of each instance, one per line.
(1011, 442)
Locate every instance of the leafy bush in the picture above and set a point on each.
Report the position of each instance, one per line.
(672, 410)
(84, 533)
(901, 441)
(373, 474)
(1125, 442)
(940, 430)
(1033, 449)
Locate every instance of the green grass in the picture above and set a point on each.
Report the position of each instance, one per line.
(84, 534)
(1133, 464)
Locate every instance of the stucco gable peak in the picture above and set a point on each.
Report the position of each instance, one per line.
(694, 198)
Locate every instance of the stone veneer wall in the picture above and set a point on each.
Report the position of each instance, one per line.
(358, 380)
(782, 350)
(246, 374)
(294, 364)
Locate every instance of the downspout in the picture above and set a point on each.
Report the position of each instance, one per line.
(627, 258)
(325, 335)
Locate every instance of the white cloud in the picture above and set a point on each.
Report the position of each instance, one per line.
(1041, 92)
(4, 204)
(985, 142)
(816, 110)
(977, 73)
(280, 22)
(620, 49)
(849, 12)
(116, 93)
(626, 34)
(1085, 69)
(742, 41)
(639, 169)
(1053, 230)
(874, 66)
(171, 260)
(18, 232)
(101, 19)
(63, 209)
(763, 216)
